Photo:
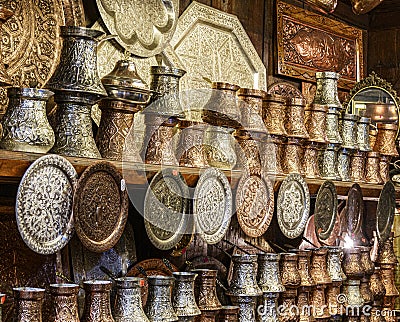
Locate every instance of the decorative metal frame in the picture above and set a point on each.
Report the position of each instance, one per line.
(310, 21)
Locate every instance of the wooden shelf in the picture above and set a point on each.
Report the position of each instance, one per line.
(14, 164)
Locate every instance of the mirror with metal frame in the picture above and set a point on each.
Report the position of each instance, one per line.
(374, 97)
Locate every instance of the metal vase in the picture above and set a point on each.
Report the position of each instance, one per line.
(65, 302)
(366, 262)
(268, 275)
(333, 299)
(159, 306)
(289, 272)
(332, 126)
(328, 163)
(303, 304)
(271, 155)
(273, 114)
(228, 314)
(363, 125)
(315, 120)
(243, 281)
(183, 299)
(376, 286)
(293, 152)
(319, 268)
(352, 263)
(310, 160)
(28, 304)
(327, 90)
(287, 301)
(319, 303)
(386, 139)
(351, 288)
(5, 79)
(365, 290)
(207, 316)
(25, 124)
(97, 301)
(388, 279)
(386, 253)
(303, 265)
(128, 300)
(349, 131)
(267, 309)
(334, 263)
(344, 163)
(295, 125)
(251, 107)
(247, 307)
(384, 163)
(206, 290)
(357, 167)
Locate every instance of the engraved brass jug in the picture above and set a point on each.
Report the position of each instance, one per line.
(205, 290)
(366, 262)
(315, 120)
(97, 302)
(328, 163)
(332, 126)
(268, 275)
(357, 167)
(344, 163)
(128, 300)
(327, 93)
(319, 268)
(206, 316)
(372, 170)
(376, 286)
(318, 302)
(303, 304)
(351, 288)
(28, 304)
(363, 126)
(335, 306)
(294, 125)
(304, 266)
(183, 300)
(384, 163)
(287, 301)
(273, 114)
(247, 307)
(386, 139)
(251, 106)
(365, 291)
(267, 310)
(386, 253)
(289, 271)
(334, 263)
(293, 152)
(349, 131)
(352, 263)
(388, 279)
(65, 302)
(310, 160)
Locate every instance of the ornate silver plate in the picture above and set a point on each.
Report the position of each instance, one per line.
(166, 209)
(385, 211)
(142, 27)
(325, 212)
(44, 204)
(212, 205)
(213, 44)
(293, 205)
(255, 204)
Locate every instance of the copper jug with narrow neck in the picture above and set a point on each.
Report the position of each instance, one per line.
(206, 290)
(304, 266)
(97, 302)
(65, 302)
(319, 268)
(28, 306)
(289, 272)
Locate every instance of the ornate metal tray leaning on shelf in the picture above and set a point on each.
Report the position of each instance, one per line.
(385, 211)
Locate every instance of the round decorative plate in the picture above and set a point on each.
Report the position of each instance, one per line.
(293, 205)
(254, 204)
(142, 27)
(44, 204)
(385, 211)
(100, 207)
(354, 212)
(325, 212)
(166, 209)
(212, 205)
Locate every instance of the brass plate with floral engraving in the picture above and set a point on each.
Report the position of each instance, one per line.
(100, 207)
(142, 27)
(44, 204)
(212, 205)
(166, 207)
(254, 204)
(325, 212)
(309, 42)
(293, 205)
(385, 211)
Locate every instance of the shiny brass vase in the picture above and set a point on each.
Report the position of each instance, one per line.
(289, 270)
(183, 299)
(251, 107)
(128, 300)
(219, 147)
(332, 126)
(25, 124)
(228, 314)
(349, 131)
(268, 274)
(97, 302)
(386, 139)
(328, 162)
(273, 114)
(267, 310)
(295, 118)
(384, 164)
(293, 155)
(77, 87)
(65, 302)
(310, 160)
(249, 153)
(376, 286)
(352, 263)
(327, 90)
(319, 266)
(28, 304)
(271, 155)
(247, 307)
(206, 290)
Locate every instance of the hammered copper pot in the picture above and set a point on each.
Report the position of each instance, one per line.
(249, 153)
(268, 275)
(273, 114)
(319, 268)
(303, 304)
(304, 265)
(376, 286)
(97, 302)
(247, 307)
(267, 309)
(294, 124)
(28, 304)
(65, 302)
(289, 272)
(386, 139)
(205, 290)
(352, 266)
(183, 299)
(128, 300)
(310, 160)
(327, 90)
(372, 169)
(228, 314)
(315, 120)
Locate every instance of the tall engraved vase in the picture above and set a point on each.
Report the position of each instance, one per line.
(327, 93)
(28, 304)
(183, 300)
(77, 87)
(97, 302)
(65, 302)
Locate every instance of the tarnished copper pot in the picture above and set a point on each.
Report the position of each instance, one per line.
(293, 154)
(349, 131)
(334, 263)
(273, 113)
(388, 278)
(332, 296)
(366, 262)
(386, 139)
(351, 288)
(128, 301)
(315, 120)
(97, 302)
(65, 302)
(384, 163)
(28, 304)
(267, 310)
(363, 125)
(183, 300)
(319, 268)
(303, 265)
(294, 124)
(365, 291)
(352, 266)
(303, 304)
(328, 163)
(251, 106)
(243, 281)
(376, 286)
(332, 126)
(372, 170)
(327, 93)
(271, 155)
(205, 290)
(287, 301)
(386, 253)
(344, 162)
(289, 272)
(268, 275)
(247, 307)
(357, 167)
(25, 124)
(310, 160)
(228, 314)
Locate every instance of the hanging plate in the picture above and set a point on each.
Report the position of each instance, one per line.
(166, 209)
(212, 206)
(100, 207)
(354, 210)
(325, 212)
(385, 211)
(255, 204)
(44, 204)
(293, 205)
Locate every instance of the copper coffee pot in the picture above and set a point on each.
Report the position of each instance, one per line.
(289, 270)
(319, 269)
(376, 286)
(97, 302)
(303, 265)
(65, 302)
(28, 306)
(205, 290)
(352, 263)
(183, 299)
(268, 275)
(228, 314)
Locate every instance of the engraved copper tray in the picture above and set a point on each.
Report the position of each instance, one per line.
(255, 204)
(309, 42)
(166, 209)
(44, 204)
(100, 207)
(325, 213)
(354, 211)
(293, 206)
(385, 211)
(284, 89)
(212, 205)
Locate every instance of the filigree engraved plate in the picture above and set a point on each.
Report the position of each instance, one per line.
(166, 209)
(325, 212)
(100, 207)
(255, 204)
(44, 204)
(354, 211)
(212, 207)
(142, 27)
(285, 89)
(293, 205)
(213, 44)
(385, 211)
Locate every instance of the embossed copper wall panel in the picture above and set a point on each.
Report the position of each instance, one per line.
(309, 42)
